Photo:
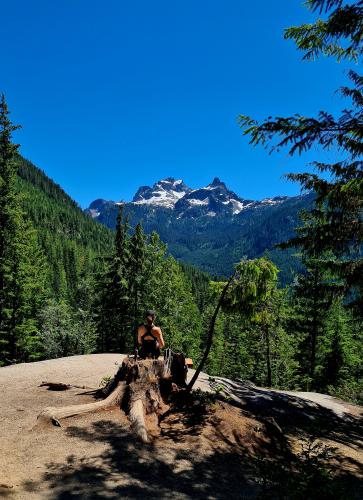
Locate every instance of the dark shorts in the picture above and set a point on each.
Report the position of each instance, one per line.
(149, 349)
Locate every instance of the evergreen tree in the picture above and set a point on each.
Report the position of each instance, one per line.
(71, 272)
(312, 294)
(112, 301)
(21, 262)
(254, 294)
(30, 290)
(335, 232)
(140, 276)
(138, 285)
(9, 213)
(248, 292)
(178, 313)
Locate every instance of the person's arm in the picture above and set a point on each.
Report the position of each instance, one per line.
(161, 339)
(139, 335)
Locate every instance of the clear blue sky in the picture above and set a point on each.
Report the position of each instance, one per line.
(117, 94)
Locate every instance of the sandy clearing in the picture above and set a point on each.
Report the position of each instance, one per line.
(23, 454)
(97, 449)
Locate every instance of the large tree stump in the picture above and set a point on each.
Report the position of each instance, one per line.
(140, 388)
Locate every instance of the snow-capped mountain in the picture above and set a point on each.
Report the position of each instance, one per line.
(211, 227)
(211, 200)
(164, 193)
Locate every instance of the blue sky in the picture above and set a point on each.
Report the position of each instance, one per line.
(116, 94)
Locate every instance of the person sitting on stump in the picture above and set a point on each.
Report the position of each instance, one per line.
(150, 337)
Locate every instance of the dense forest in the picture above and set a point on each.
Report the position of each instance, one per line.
(69, 285)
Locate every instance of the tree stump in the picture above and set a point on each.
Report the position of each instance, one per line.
(140, 388)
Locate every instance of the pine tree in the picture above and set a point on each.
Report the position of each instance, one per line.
(71, 272)
(312, 303)
(30, 283)
(112, 302)
(259, 278)
(138, 286)
(335, 232)
(22, 266)
(9, 212)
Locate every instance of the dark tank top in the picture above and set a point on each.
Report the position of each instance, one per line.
(148, 333)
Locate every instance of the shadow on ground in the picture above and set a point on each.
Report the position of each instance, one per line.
(176, 467)
(128, 469)
(297, 416)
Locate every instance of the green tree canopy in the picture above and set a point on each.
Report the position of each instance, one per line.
(335, 230)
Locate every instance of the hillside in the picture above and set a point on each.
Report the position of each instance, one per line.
(71, 240)
(52, 209)
(225, 450)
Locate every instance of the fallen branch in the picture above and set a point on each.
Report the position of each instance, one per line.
(56, 414)
(60, 386)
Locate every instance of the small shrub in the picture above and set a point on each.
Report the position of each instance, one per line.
(348, 391)
(202, 398)
(309, 476)
(105, 381)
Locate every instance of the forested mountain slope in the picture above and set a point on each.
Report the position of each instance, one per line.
(69, 238)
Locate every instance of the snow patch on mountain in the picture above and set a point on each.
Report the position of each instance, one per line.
(193, 201)
(273, 201)
(164, 193)
(93, 213)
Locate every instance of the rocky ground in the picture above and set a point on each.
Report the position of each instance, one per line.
(234, 447)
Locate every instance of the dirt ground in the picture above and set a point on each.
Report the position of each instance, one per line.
(195, 454)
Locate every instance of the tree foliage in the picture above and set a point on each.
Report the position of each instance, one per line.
(140, 276)
(340, 35)
(22, 266)
(334, 230)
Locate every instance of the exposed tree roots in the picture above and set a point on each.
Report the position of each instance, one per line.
(139, 388)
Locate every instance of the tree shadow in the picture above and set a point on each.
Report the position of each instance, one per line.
(128, 469)
(287, 416)
(174, 466)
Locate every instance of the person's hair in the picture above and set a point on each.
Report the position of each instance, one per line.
(150, 312)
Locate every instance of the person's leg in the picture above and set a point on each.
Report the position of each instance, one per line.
(149, 349)
(157, 350)
(142, 352)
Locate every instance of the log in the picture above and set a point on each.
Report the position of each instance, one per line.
(57, 413)
(140, 388)
(60, 386)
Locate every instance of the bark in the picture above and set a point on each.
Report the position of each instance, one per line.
(140, 388)
(210, 333)
(268, 357)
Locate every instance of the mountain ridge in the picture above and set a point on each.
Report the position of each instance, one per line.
(211, 200)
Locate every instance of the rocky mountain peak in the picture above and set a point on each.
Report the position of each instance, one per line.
(164, 193)
(217, 183)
